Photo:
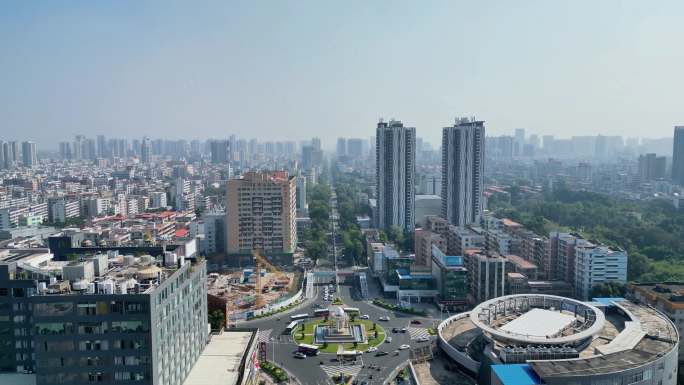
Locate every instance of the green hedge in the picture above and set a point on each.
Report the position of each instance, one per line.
(270, 313)
(393, 307)
(274, 371)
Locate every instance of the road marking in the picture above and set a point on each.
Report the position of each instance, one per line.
(264, 335)
(335, 370)
(418, 333)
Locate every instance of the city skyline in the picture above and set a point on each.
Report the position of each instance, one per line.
(179, 70)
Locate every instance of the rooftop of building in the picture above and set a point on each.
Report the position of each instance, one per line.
(520, 262)
(629, 335)
(516, 374)
(220, 362)
(124, 274)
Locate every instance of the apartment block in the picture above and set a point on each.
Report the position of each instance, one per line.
(261, 213)
(595, 265)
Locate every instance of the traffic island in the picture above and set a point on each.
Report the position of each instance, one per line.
(373, 334)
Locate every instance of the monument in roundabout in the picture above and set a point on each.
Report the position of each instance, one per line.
(339, 329)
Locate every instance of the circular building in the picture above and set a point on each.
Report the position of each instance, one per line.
(558, 340)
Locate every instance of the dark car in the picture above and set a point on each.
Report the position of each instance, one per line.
(415, 322)
(380, 353)
(395, 330)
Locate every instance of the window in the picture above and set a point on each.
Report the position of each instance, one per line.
(86, 309)
(53, 309)
(3, 292)
(93, 345)
(48, 328)
(92, 327)
(18, 292)
(130, 326)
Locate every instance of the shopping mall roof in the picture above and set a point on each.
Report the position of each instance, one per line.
(516, 374)
(539, 322)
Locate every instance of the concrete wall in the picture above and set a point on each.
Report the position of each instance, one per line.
(460, 357)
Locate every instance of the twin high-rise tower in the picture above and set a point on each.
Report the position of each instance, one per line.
(395, 149)
(462, 173)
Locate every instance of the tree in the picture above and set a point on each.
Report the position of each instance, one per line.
(608, 289)
(216, 319)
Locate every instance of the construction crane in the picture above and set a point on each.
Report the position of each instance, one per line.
(260, 261)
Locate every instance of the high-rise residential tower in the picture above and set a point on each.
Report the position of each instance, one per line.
(678, 156)
(341, 147)
(395, 160)
(261, 213)
(463, 171)
(146, 150)
(220, 151)
(28, 153)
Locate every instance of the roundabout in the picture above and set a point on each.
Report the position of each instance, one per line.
(339, 330)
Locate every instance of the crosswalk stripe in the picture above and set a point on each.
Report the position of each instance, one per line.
(264, 335)
(331, 371)
(418, 332)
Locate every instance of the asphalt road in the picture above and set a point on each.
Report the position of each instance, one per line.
(280, 345)
(318, 370)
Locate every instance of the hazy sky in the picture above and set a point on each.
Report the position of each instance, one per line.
(294, 69)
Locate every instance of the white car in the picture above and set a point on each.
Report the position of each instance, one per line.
(365, 316)
(372, 349)
(404, 346)
(423, 339)
(384, 318)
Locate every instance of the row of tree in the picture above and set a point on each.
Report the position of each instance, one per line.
(316, 238)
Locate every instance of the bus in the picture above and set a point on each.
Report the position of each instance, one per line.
(321, 312)
(292, 326)
(351, 310)
(348, 356)
(298, 317)
(309, 350)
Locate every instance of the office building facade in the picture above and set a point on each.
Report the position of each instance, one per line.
(99, 329)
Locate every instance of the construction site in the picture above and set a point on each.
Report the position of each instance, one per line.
(246, 290)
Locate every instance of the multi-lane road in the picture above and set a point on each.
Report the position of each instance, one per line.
(318, 370)
(371, 369)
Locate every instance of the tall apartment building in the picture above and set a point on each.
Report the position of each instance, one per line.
(424, 241)
(597, 264)
(562, 254)
(220, 151)
(355, 148)
(486, 276)
(214, 232)
(28, 154)
(312, 158)
(62, 209)
(146, 150)
(651, 167)
(460, 239)
(261, 213)
(112, 320)
(678, 156)
(463, 171)
(395, 172)
(341, 149)
(302, 206)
